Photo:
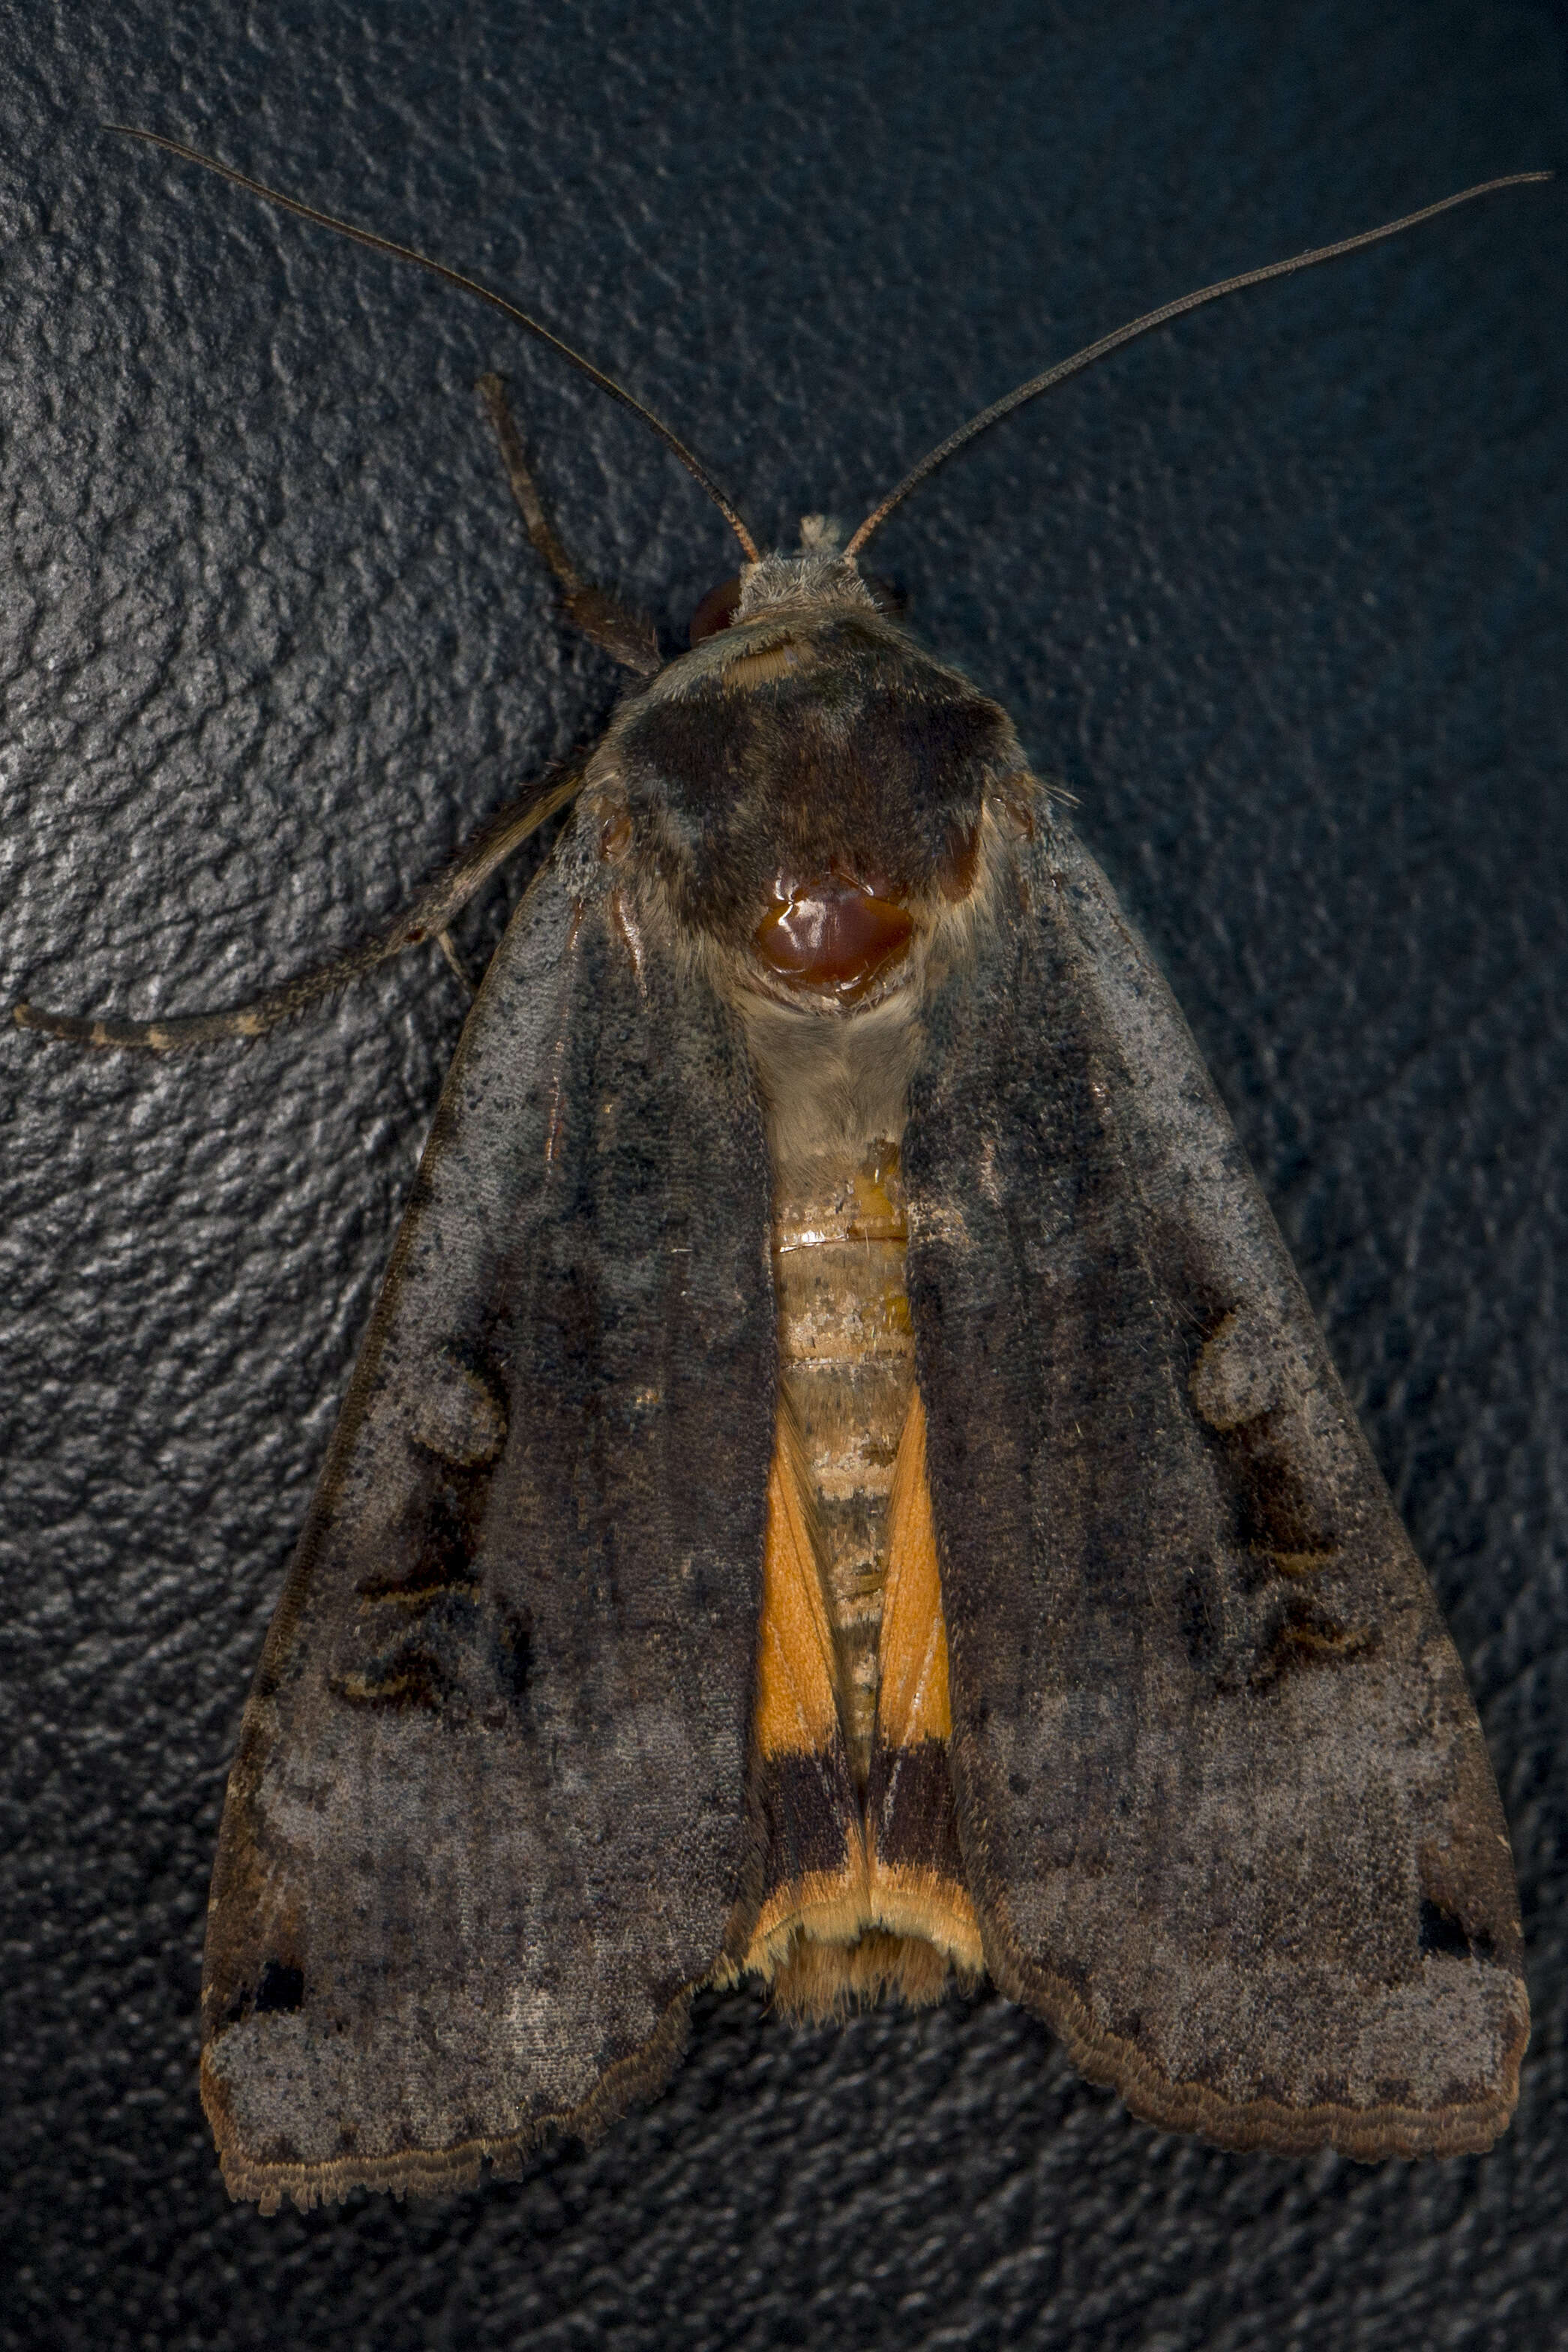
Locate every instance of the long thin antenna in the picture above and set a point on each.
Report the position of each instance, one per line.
(1146, 324)
(672, 441)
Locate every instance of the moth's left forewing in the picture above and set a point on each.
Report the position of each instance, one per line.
(1226, 1814)
(488, 1825)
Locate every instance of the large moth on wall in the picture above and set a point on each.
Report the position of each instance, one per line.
(842, 1485)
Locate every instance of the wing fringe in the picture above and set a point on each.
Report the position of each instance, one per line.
(438, 2172)
(1368, 2135)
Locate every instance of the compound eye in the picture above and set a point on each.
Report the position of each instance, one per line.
(716, 611)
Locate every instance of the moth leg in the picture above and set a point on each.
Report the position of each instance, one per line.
(428, 918)
(600, 615)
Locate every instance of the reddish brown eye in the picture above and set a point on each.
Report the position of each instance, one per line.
(833, 934)
(716, 611)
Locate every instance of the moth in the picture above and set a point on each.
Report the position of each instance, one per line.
(842, 1486)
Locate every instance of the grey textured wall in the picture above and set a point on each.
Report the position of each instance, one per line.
(1280, 595)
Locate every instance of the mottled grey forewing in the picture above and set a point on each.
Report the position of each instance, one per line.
(486, 1825)
(1230, 1822)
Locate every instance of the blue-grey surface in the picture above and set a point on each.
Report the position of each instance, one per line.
(1280, 595)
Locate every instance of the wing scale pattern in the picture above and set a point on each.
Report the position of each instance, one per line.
(1224, 1807)
(487, 1825)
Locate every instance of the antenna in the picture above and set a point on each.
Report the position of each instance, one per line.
(365, 236)
(1146, 324)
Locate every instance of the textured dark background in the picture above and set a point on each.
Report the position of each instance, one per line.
(1279, 594)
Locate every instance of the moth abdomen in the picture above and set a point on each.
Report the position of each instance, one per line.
(846, 1360)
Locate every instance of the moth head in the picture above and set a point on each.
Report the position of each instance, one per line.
(818, 573)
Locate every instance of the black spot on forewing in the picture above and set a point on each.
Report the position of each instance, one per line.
(1440, 1929)
(282, 1987)
(277, 1988)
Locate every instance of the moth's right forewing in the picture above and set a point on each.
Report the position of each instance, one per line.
(1226, 1814)
(487, 1827)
